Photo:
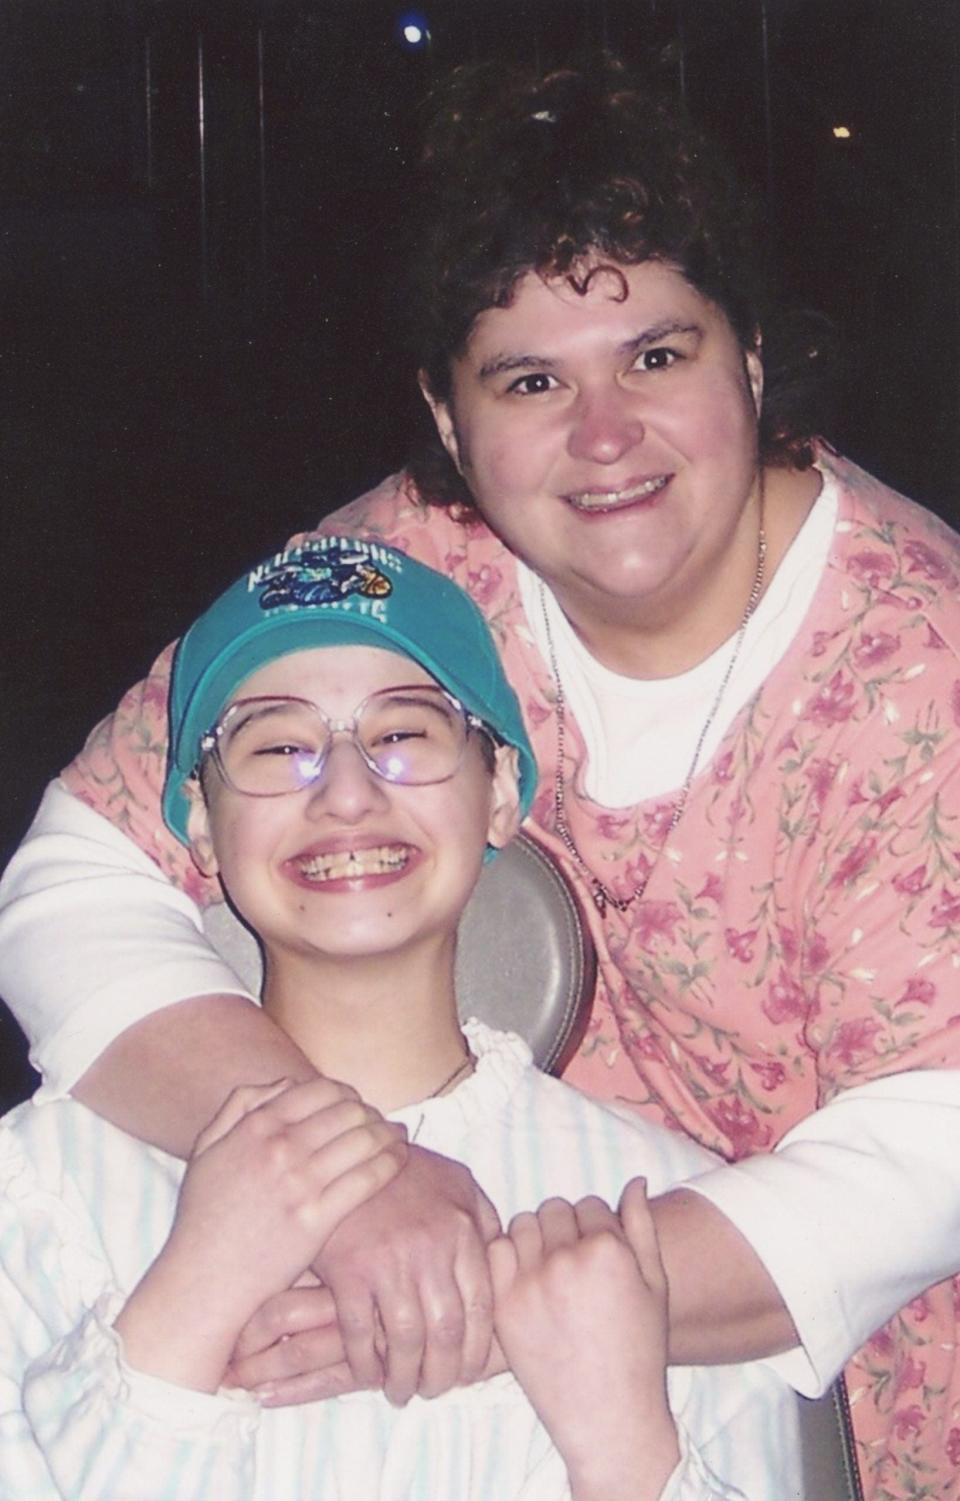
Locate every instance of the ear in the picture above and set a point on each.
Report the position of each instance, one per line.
(198, 827)
(443, 417)
(753, 364)
(504, 798)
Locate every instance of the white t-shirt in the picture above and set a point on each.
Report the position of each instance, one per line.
(637, 732)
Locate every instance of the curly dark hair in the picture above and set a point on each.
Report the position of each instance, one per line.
(523, 172)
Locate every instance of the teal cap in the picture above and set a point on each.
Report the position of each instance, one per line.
(335, 591)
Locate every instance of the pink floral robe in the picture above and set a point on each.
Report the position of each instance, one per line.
(801, 934)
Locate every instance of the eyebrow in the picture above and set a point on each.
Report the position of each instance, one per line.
(250, 712)
(500, 364)
(658, 331)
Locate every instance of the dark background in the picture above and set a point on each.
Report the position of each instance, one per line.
(196, 207)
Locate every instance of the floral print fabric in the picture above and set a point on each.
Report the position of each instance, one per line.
(801, 932)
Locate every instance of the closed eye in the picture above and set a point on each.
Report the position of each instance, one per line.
(395, 737)
(284, 748)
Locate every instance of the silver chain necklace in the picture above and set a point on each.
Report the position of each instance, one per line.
(603, 897)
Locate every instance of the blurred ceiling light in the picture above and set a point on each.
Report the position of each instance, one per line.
(841, 132)
(414, 30)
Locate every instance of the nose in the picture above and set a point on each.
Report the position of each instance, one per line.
(606, 425)
(346, 788)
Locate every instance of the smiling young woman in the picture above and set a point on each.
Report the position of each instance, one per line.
(412, 853)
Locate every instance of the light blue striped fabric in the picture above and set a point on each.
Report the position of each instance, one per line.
(84, 1209)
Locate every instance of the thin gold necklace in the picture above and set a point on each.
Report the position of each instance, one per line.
(461, 1068)
(603, 897)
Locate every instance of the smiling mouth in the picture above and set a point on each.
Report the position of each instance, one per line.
(345, 865)
(616, 500)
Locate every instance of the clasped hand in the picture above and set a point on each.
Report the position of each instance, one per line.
(300, 1199)
(420, 1293)
(399, 1297)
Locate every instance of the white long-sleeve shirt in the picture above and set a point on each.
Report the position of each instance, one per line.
(84, 1209)
(809, 1209)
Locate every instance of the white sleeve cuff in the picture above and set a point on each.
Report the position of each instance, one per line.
(692, 1481)
(94, 938)
(856, 1212)
(230, 1415)
(105, 1429)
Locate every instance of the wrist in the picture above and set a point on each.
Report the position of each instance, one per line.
(178, 1329)
(636, 1470)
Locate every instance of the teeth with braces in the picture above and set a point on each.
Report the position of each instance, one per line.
(354, 863)
(591, 500)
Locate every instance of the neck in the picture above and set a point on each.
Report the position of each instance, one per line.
(387, 1025)
(669, 635)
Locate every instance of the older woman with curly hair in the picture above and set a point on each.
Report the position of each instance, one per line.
(737, 658)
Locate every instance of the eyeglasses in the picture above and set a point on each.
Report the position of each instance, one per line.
(266, 747)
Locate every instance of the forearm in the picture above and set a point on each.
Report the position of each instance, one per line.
(177, 1330)
(855, 1213)
(724, 1305)
(164, 1078)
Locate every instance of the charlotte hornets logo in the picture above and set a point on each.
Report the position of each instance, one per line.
(323, 578)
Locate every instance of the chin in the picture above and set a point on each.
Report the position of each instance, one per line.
(622, 584)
